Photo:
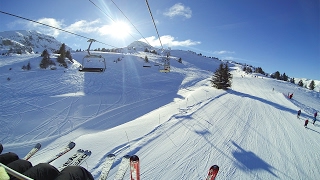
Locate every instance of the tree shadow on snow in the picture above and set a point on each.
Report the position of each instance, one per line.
(278, 106)
(248, 161)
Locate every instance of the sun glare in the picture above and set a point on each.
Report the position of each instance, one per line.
(120, 29)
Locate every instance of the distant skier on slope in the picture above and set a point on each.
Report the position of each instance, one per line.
(299, 113)
(306, 123)
(290, 96)
(315, 117)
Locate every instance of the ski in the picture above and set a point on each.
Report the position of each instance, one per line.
(32, 151)
(63, 151)
(124, 164)
(213, 171)
(107, 166)
(1, 148)
(134, 168)
(71, 159)
(78, 161)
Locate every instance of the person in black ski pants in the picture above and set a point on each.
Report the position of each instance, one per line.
(315, 117)
(43, 171)
(306, 123)
(299, 113)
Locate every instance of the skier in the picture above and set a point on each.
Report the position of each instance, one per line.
(42, 170)
(306, 123)
(299, 112)
(315, 117)
(290, 96)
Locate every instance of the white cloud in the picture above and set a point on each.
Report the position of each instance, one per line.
(78, 27)
(223, 52)
(48, 21)
(84, 26)
(169, 41)
(178, 10)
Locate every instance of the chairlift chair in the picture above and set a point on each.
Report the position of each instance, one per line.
(92, 62)
(165, 67)
(148, 65)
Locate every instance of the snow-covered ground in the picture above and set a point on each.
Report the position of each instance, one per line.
(175, 122)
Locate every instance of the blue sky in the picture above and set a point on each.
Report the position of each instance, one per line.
(277, 35)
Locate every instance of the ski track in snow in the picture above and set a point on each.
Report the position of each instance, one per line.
(175, 122)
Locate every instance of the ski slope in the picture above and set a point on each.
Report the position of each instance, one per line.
(175, 122)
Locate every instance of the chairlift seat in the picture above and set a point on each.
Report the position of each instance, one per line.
(92, 70)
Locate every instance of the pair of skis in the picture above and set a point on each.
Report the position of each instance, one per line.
(80, 156)
(126, 161)
(37, 147)
(76, 159)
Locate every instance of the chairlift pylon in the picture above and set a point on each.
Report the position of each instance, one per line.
(92, 62)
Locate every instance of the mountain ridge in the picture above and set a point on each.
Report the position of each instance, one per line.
(27, 42)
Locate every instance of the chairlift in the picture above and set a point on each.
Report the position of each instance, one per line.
(148, 65)
(165, 67)
(92, 62)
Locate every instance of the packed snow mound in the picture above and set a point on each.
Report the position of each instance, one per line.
(24, 42)
(139, 46)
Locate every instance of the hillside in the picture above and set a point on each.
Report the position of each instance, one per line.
(175, 122)
(23, 41)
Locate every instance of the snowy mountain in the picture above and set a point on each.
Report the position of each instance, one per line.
(139, 46)
(176, 122)
(23, 41)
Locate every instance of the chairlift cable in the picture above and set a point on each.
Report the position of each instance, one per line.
(102, 10)
(131, 23)
(154, 23)
(53, 27)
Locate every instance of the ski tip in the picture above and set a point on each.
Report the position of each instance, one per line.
(111, 155)
(215, 167)
(38, 146)
(72, 145)
(134, 158)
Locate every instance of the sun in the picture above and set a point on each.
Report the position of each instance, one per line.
(120, 29)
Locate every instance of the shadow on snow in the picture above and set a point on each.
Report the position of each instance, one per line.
(248, 161)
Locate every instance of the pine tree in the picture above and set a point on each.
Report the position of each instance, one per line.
(45, 62)
(61, 58)
(292, 80)
(300, 83)
(69, 56)
(277, 75)
(312, 85)
(284, 77)
(221, 78)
